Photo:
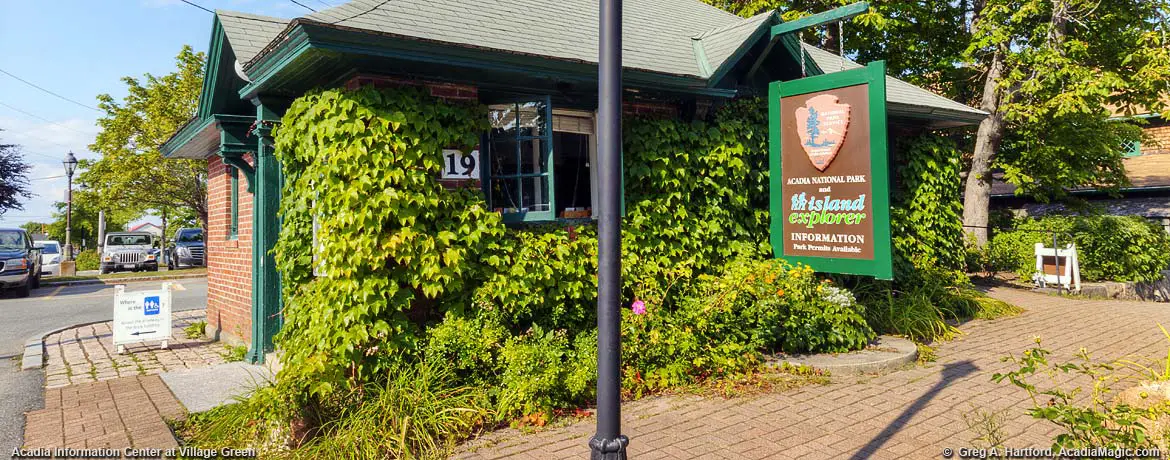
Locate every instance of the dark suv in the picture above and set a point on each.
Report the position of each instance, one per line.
(20, 262)
(187, 249)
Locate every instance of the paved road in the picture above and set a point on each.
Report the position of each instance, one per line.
(50, 308)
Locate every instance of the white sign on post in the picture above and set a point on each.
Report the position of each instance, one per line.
(459, 165)
(141, 316)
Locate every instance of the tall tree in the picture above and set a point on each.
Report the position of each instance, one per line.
(1045, 71)
(131, 171)
(1050, 69)
(13, 178)
(35, 228)
(84, 224)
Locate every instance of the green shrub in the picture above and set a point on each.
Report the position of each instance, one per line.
(1093, 419)
(718, 325)
(926, 308)
(88, 260)
(1110, 248)
(419, 412)
(543, 372)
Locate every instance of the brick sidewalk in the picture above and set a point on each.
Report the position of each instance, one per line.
(97, 398)
(119, 413)
(909, 414)
(87, 354)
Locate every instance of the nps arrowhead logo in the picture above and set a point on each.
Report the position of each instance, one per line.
(821, 125)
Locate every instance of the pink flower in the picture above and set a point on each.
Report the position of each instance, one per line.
(639, 307)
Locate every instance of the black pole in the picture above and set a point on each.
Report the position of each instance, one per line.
(69, 217)
(609, 443)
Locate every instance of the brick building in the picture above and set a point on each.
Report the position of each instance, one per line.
(682, 59)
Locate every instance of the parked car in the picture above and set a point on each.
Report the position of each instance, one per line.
(133, 251)
(51, 257)
(187, 249)
(21, 269)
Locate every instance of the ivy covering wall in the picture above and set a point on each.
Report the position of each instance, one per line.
(411, 272)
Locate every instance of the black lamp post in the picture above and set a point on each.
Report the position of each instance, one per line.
(70, 166)
(609, 443)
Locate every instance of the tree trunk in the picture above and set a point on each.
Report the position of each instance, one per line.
(977, 196)
(163, 239)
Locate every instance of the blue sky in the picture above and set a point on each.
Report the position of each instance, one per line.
(82, 48)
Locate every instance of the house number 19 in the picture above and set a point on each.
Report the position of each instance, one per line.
(460, 165)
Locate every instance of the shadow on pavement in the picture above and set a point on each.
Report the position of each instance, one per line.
(951, 372)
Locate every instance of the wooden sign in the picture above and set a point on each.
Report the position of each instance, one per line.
(829, 177)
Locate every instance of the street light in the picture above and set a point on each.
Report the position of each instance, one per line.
(609, 443)
(70, 166)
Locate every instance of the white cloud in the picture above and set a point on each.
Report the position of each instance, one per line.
(44, 146)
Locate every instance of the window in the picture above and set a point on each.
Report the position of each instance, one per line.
(1131, 149)
(189, 236)
(520, 149)
(234, 226)
(539, 162)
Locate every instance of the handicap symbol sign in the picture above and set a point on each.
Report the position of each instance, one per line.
(150, 305)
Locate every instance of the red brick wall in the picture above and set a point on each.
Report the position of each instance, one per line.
(1160, 131)
(229, 261)
(652, 109)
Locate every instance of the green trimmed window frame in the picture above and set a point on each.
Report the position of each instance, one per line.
(1131, 149)
(234, 225)
(518, 176)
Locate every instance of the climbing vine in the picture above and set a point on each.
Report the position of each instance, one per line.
(926, 214)
(390, 240)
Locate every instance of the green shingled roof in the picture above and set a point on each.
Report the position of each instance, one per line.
(249, 33)
(685, 38)
(898, 92)
(656, 33)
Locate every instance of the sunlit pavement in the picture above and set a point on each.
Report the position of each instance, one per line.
(915, 413)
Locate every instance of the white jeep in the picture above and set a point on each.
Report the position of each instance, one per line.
(133, 251)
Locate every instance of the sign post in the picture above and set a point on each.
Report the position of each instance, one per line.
(141, 316)
(829, 198)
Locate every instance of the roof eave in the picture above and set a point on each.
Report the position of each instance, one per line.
(724, 68)
(306, 35)
(942, 117)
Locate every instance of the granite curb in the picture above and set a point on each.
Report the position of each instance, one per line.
(886, 354)
(114, 281)
(34, 347)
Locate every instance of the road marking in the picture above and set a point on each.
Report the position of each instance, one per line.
(54, 293)
(178, 287)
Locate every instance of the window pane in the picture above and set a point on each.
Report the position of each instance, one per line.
(524, 119)
(532, 119)
(532, 156)
(536, 193)
(503, 157)
(505, 195)
(503, 120)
